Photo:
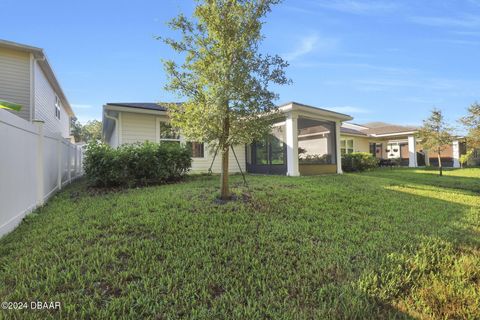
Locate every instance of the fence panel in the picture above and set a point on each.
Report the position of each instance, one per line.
(34, 164)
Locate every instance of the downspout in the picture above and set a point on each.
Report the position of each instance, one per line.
(116, 124)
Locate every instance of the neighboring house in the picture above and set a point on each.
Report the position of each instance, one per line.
(305, 140)
(389, 141)
(27, 79)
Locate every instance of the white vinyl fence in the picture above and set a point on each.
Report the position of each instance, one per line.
(34, 164)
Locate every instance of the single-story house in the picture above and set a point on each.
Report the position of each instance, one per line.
(306, 140)
(389, 141)
(27, 79)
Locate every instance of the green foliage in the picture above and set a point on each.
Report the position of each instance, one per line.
(358, 161)
(384, 244)
(472, 123)
(464, 158)
(91, 131)
(435, 134)
(10, 105)
(315, 158)
(135, 164)
(224, 79)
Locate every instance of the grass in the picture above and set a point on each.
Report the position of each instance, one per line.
(385, 244)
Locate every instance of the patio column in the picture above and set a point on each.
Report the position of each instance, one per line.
(412, 152)
(456, 154)
(291, 128)
(338, 154)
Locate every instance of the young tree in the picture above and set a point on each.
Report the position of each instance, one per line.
(435, 135)
(224, 78)
(472, 123)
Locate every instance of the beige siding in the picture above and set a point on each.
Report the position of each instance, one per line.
(203, 164)
(15, 79)
(137, 127)
(45, 105)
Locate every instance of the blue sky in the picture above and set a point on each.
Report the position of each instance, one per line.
(379, 60)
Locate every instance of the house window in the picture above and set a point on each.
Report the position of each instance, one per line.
(57, 108)
(168, 134)
(198, 149)
(346, 146)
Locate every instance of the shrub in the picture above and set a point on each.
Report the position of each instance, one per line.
(135, 164)
(358, 161)
(465, 158)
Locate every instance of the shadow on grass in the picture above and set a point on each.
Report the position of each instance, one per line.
(416, 176)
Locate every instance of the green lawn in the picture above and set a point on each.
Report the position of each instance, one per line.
(384, 244)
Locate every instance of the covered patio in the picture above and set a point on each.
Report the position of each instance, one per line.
(305, 141)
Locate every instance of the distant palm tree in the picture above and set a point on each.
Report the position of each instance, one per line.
(9, 105)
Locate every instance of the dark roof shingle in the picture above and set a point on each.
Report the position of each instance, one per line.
(140, 105)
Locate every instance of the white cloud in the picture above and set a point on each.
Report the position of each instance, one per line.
(467, 21)
(349, 109)
(309, 44)
(358, 6)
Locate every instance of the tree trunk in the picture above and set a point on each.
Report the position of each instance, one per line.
(224, 190)
(440, 168)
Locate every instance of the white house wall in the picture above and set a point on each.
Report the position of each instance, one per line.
(138, 127)
(15, 80)
(45, 105)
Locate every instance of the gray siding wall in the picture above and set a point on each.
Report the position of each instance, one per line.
(15, 80)
(45, 105)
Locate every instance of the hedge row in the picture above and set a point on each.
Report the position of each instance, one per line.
(135, 164)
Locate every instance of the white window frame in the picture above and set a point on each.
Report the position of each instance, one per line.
(346, 146)
(57, 107)
(159, 136)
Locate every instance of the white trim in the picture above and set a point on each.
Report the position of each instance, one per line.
(456, 153)
(392, 134)
(412, 152)
(158, 133)
(338, 126)
(305, 110)
(291, 131)
(32, 87)
(135, 110)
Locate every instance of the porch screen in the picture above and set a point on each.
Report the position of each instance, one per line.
(316, 142)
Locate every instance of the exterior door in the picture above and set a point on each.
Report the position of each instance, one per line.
(268, 156)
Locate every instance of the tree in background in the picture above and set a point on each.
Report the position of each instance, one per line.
(472, 123)
(224, 78)
(435, 135)
(92, 130)
(76, 129)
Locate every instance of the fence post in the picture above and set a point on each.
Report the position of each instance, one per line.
(76, 160)
(40, 170)
(60, 165)
(69, 163)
